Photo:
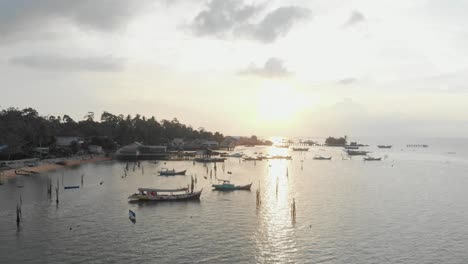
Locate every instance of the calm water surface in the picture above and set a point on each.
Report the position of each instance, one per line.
(410, 208)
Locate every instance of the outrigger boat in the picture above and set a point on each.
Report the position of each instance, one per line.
(357, 152)
(149, 194)
(372, 159)
(207, 160)
(300, 149)
(384, 146)
(167, 172)
(228, 186)
(318, 157)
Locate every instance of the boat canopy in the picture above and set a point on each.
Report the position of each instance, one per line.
(162, 190)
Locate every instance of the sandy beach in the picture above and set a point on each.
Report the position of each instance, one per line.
(50, 165)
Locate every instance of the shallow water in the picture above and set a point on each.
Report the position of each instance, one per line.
(410, 208)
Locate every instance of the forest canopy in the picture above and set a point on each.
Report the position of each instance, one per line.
(23, 130)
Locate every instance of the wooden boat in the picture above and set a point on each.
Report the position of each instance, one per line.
(318, 157)
(160, 195)
(167, 172)
(357, 152)
(71, 187)
(300, 149)
(252, 159)
(384, 146)
(207, 160)
(351, 147)
(228, 186)
(372, 159)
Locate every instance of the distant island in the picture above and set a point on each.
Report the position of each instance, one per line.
(25, 134)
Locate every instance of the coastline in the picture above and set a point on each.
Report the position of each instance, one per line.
(51, 165)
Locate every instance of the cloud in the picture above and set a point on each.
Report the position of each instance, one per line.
(355, 18)
(277, 23)
(223, 18)
(273, 68)
(61, 63)
(28, 16)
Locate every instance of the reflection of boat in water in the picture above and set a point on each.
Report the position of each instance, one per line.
(300, 149)
(372, 159)
(318, 157)
(357, 152)
(384, 146)
(148, 194)
(207, 160)
(167, 172)
(228, 186)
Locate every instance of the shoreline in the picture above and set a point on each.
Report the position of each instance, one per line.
(51, 165)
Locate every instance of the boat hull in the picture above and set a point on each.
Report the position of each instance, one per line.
(221, 187)
(166, 173)
(166, 198)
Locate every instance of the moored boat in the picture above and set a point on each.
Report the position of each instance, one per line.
(372, 159)
(300, 149)
(226, 185)
(384, 146)
(149, 194)
(207, 160)
(357, 152)
(318, 157)
(167, 172)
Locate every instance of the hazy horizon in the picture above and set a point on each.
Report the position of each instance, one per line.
(287, 68)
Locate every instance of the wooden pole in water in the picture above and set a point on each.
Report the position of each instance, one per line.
(57, 192)
(293, 210)
(277, 183)
(82, 176)
(142, 170)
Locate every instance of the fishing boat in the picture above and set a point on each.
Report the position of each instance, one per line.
(300, 149)
(384, 146)
(226, 185)
(318, 157)
(167, 172)
(252, 158)
(351, 147)
(372, 159)
(357, 152)
(149, 194)
(208, 160)
(71, 187)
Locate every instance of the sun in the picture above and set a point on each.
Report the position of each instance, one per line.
(278, 102)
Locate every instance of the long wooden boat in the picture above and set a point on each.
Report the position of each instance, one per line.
(166, 172)
(300, 149)
(372, 159)
(161, 195)
(228, 186)
(207, 160)
(322, 158)
(384, 146)
(357, 152)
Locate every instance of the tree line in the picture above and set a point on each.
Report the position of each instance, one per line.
(24, 130)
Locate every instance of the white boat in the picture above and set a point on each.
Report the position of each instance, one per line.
(150, 194)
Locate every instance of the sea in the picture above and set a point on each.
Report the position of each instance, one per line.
(411, 207)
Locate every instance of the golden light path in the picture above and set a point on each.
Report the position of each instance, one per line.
(275, 237)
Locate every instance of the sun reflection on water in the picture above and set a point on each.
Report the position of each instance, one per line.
(275, 238)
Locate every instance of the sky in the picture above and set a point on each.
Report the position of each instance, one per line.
(288, 68)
